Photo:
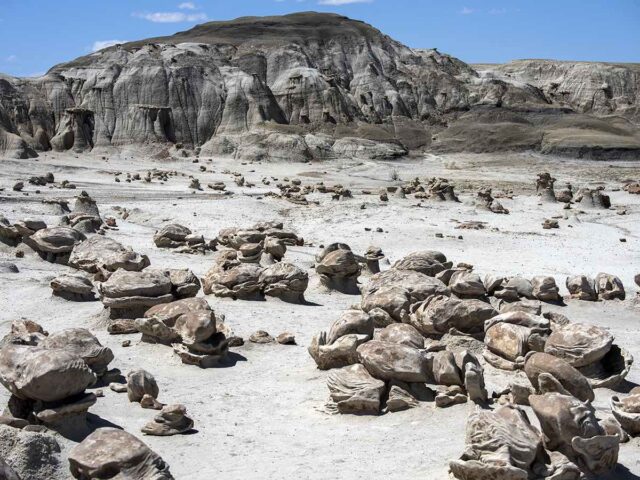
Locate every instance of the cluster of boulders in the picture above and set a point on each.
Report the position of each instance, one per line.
(129, 294)
(249, 265)
(190, 326)
(391, 368)
(48, 375)
(604, 286)
(423, 331)
(182, 239)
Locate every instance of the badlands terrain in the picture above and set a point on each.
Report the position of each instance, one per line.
(261, 413)
(191, 229)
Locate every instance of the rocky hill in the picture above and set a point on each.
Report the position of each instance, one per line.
(312, 85)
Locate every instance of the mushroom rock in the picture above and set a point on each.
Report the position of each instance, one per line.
(439, 313)
(440, 189)
(285, 281)
(627, 412)
(485, 201)
(389, 295)
(592, 198)
(100, 253)
(74, 287)
(85, 215)
(168, 313)
(274, 250)
(582, 287)
(574, 382)
(338, 268)
(570, 427)
(354, 390)
(402, 334)
(391, 361)
(115, 453)
(372, 258)
(172, 420)
(545, 288)
(544, 187)
(230, 278)
(130, 294)
(427, 262)
(579, 344)
(609, 287)
(55, 244)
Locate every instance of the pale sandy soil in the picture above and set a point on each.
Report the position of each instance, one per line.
(260, 417)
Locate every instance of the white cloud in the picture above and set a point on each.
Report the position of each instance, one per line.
(171, 17)
(342, 2)
(100, 44)
(467, 11)
(497, 11)
(187, 6)
(11, 58)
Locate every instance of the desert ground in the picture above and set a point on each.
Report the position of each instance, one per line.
(261, 414)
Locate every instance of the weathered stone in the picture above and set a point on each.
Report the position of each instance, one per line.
(285, 281)
(141, 383)
(579, 344)
(545, 288)
(390, 361)
(427, 262)
(82, 343)
(402, 334)
(581, 287)
(74, 287)
(571, 379)
(440, 313)
(110, 452)
(609, 287)
(172, 420)
(100, 252)
(354, 390)
(338, 268)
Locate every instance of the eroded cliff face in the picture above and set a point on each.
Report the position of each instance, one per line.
(305, 86)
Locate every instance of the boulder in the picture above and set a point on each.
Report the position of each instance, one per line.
(129, 294)
(114, 453)
(171, 236)
(391, 361)
(545, 288)
(579, 344)
(228, 277)
(389, 295)
(440, 313)
(82, 343)
(141, 383)
(466, 284)
(402, 334)
(353, 390)
(55, 244)
(627, 412)
(75, 287)
(567, 376)
(338, 268)
(285, 281)
(570, 426)
(172, 420)
(609, 287)
(427, 262)
(581, 287)
(102, 253)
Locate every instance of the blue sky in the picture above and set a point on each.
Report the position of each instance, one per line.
(37, 34)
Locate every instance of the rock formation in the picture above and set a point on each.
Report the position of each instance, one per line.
(311, 85)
